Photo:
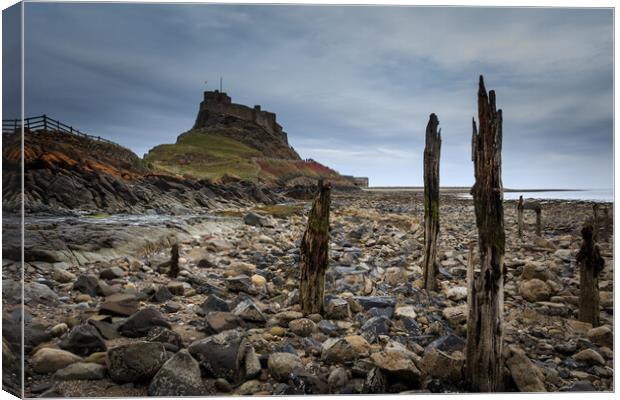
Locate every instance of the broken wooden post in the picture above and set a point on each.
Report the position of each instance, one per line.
(484, 362)
(538, 211)
(313, 253)
(431, 202)
(173, 272)
(590, 265)
(595, 222)
(608, 225)
(520, 216)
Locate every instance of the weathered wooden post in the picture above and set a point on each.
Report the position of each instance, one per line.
(595, 222)
(590, 265)
(484, 363)
(314, 253)
(173, 272)
(538, 211)
(608, 223)
(520, 216)
(431, 201)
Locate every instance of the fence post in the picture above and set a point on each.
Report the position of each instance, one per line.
(44, 122)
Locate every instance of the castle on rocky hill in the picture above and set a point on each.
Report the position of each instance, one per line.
(216, 102)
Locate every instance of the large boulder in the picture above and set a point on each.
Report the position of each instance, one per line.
(394, 276)
(222, 355)
(441, 365)
(337, 309)
(602, 336)
(302, 326)
(534, 270)
(48, 360)
(281, 365)
(590, 357)
(525, 374)
(122, 304)
(81, 371)
(86, 284)
(247, 310)
(179, 376)
(140, 323)
(136, 362)
(535, 290)
(455, 315)
(220, 321)
(341, 350)
(254, 220)
(83, 340)
(38, 293)
(397, 365)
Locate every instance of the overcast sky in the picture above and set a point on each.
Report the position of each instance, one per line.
(352, 86)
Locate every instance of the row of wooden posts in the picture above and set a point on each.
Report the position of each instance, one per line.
(484, 361)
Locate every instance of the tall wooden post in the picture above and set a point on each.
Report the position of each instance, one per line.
(590, 265)
(431, 201)
(595, 225)
(484, 325)
(520, 216)
(314, 253)
(607, 224)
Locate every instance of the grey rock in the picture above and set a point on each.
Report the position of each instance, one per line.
(135, 362)
(253, 219)
(302, 327)
(179, 376)
(161, 334)
(86, 284)
(249, 311)
(214, 303)
(525, 374)
(140, 323)
(337, 309)
(122, 304)
(112, 273)
(222, 355)
(368, 302)
(252, 364)
(281, 365)
(83, 340)
(81, 371)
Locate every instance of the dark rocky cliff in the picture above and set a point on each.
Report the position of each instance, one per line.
(64, 171)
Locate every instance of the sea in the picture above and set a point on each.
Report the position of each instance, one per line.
(596, 195)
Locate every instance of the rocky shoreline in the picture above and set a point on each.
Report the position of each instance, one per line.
(109, 323)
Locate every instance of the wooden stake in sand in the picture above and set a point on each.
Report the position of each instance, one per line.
(431, 201)
(484, 324)
(590, 265)
(313, 253)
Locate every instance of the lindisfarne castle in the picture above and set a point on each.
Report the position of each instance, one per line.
(216, 102)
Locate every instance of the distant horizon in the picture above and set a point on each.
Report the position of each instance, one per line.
(352, 86)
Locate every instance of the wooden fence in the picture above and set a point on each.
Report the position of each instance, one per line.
(45, 123)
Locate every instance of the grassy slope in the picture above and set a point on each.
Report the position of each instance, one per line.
(212, 156)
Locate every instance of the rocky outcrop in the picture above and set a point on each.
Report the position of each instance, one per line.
(65, 172)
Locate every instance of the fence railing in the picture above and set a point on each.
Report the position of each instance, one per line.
(45, 123)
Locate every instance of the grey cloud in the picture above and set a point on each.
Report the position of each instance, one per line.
(346, 82)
